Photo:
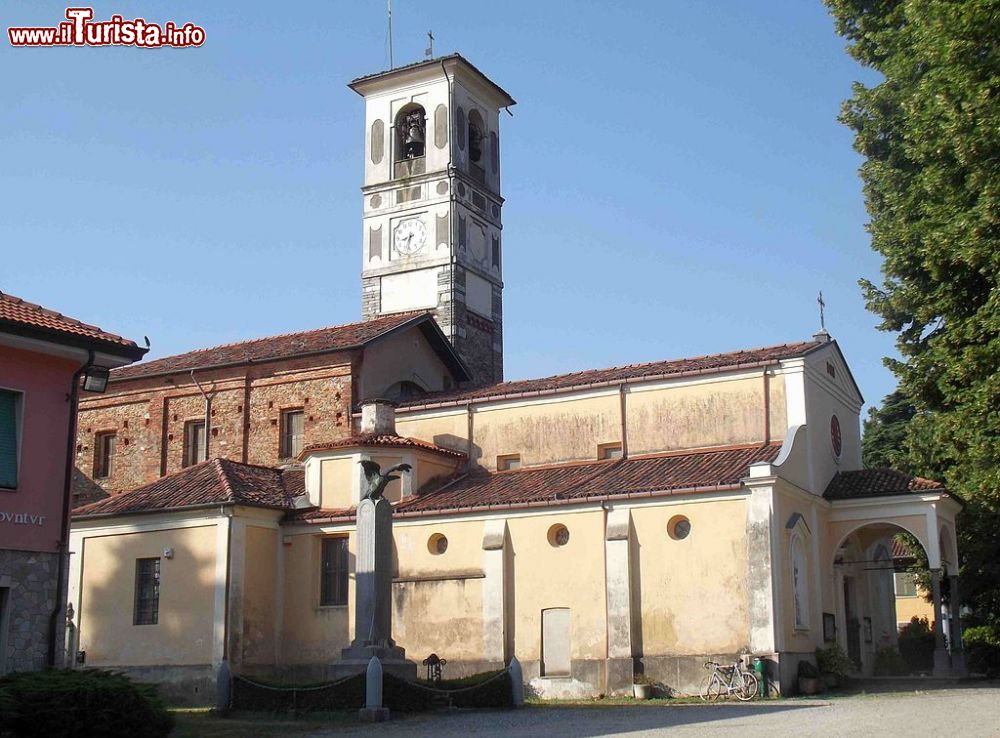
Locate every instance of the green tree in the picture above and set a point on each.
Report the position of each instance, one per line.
(884, 443)
(930, 136)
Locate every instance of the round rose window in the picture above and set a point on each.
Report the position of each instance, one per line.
(836, 440)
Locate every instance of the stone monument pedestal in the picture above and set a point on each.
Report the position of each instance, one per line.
(373, 597)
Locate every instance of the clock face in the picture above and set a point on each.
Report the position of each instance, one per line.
(836, 440)
(410, 236)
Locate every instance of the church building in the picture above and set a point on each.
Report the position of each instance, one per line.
(639, 519)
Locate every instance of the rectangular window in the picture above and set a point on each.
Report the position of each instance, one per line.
(104, 447)
(906, 585)
(292, 424)
(508, 462)
(194, 442)
(333, 574)
(609, 451)
(147, 592)
(10, 411)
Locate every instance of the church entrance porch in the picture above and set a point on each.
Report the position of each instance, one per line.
(862, 570)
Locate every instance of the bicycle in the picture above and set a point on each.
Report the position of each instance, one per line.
(729, 680)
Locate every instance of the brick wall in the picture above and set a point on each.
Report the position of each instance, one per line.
(149, 416)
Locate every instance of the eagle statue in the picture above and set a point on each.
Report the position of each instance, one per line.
(377, 481)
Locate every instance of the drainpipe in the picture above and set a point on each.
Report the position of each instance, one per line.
(452, 222)
(208, 414)
(624, 419)
(74, 396)
(470, 427)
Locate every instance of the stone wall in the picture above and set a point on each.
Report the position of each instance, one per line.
(149, 416)
(30, 578)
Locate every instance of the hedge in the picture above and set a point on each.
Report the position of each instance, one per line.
(982, 650)
(65, 703)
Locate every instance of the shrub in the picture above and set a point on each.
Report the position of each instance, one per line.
(64, 703)
(916, 645)
(833, 660)
(889, 662)
(808, 670)
(982, 650)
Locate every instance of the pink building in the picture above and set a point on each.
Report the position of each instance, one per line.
(45, 357)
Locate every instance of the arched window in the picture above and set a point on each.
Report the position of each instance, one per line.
(477, 132)
(411, 132)
(800, 584)
(403, 391)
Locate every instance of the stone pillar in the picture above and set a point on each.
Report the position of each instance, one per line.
(942, 665)
(494, 591)
(619, 605)
(958, 667)
(373, 583)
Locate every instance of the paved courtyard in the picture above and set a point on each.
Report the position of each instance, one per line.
(969, 711)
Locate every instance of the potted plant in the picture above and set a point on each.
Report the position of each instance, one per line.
(809, 682)
(834, 665)
(642, 687)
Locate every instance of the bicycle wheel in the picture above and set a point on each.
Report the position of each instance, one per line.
(748, 690)
(712, 688)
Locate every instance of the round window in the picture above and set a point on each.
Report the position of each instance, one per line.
(558, 535)
(679, 527)
(437, 544)
(836, 439)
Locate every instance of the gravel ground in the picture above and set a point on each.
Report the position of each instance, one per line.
(969, 711)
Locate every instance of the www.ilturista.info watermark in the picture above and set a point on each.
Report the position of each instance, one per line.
(80, 30)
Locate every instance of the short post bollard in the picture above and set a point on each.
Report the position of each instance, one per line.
(516, 681)
(373, 711)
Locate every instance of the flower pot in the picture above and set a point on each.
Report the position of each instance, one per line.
(642, 691)
(809, 685)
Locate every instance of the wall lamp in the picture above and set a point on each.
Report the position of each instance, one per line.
(96, 379)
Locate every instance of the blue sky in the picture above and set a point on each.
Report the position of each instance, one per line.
(676, 180)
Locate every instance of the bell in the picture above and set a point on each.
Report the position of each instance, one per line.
(413, 141)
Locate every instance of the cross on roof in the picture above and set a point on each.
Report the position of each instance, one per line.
(822, 305)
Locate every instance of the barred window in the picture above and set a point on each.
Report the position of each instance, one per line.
(147, 592)
(333, 575)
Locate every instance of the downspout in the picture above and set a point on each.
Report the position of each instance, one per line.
(452, 222)
(229, 563)
(469, 428)
(74, 397)
(767, 406)
(607, 612)
(624, 419)
(208, 415)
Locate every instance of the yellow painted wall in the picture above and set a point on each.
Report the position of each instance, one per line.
(312, 633)
(259, 593)
(393, 490)
(546, 433)
(715, 414)
(184, 632)
(447, 430)
(567, 576)
(571, 428)
(337, 478)
(442, 616)
(800, 640)
(908, 608)
(693, 591)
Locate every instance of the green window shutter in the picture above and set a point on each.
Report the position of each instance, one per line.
(8, 438)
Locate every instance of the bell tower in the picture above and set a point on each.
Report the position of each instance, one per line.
(432, 204)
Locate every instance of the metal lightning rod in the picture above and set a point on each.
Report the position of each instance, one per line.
(389, 10)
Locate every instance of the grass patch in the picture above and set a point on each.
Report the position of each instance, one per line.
(202, 723)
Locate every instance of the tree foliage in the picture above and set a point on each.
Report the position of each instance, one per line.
(930, 136)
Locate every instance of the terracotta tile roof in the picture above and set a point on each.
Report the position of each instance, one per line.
(334, 338)
(649, 476)
(213, 482)
(381, 439)
(614, 375)
(876, 483)
(901, 551)
(17, 314)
